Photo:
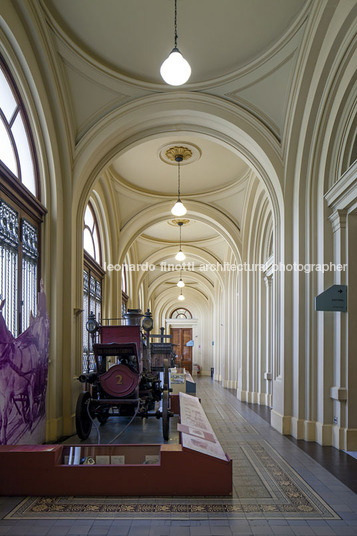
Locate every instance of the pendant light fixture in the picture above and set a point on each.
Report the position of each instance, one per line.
(180, 256)
(175, 70)
(178, 209)
(180, 282)
(181, 297)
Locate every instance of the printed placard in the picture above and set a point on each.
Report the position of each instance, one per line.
(205, 447)
(196, 432)
(102, 460)
(117, 460)
(152, 459)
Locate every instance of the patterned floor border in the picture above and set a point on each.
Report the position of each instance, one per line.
(285, 496)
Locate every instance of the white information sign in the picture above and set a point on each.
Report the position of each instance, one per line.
(200, 436)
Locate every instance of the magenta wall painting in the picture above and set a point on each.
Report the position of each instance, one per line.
(23, 379)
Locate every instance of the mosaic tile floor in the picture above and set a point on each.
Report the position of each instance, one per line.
(278, 489)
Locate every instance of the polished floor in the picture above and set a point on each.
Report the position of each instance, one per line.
(317, 473)
(341, 464)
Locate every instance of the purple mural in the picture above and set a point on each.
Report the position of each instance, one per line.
(23, 379)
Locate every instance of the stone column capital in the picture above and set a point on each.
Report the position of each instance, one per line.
(338, 220)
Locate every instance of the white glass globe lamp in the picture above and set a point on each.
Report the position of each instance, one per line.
(175, 70)
(180, 256)
(179, 209)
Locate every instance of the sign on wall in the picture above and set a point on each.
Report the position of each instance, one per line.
(333, 299)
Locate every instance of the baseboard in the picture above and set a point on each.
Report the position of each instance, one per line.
(323, 434)
(230, 384)
(297, 428)
(344, 438)
(242, 395)
(280, 422)
(263, 399)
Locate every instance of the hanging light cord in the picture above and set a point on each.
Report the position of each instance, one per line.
(178, 159)
(180, 224)
(179, 183)
(175, 24)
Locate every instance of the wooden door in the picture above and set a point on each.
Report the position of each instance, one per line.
(180, 337)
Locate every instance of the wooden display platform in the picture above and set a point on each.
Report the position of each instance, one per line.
(198, 466)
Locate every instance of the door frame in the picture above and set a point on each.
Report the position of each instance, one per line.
(187, 363)
(184, 323)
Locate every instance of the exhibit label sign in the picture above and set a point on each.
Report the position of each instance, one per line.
(333, 299)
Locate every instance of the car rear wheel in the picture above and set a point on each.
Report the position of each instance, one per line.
(83, 420)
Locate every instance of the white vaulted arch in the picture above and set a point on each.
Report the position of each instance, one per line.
(209, 116)
(205, 114)
(199, 211)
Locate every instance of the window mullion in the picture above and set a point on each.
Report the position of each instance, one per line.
(20, 283)
(12, 120)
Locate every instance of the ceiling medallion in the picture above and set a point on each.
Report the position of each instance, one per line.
(185, 152)
(189, 152)
(178, 221)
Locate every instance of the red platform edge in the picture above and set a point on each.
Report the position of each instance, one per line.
(39, 470)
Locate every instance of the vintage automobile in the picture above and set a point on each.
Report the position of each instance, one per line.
(122, 382)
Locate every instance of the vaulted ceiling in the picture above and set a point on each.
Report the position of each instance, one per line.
(243, 51)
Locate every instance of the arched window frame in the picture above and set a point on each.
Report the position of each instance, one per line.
(94, 232)
(93, 280)
(176, 312)
(20, 110)
(21, 216)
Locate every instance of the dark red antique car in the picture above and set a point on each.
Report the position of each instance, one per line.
(122, 382)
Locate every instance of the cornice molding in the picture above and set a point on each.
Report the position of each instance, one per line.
(343, 194)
